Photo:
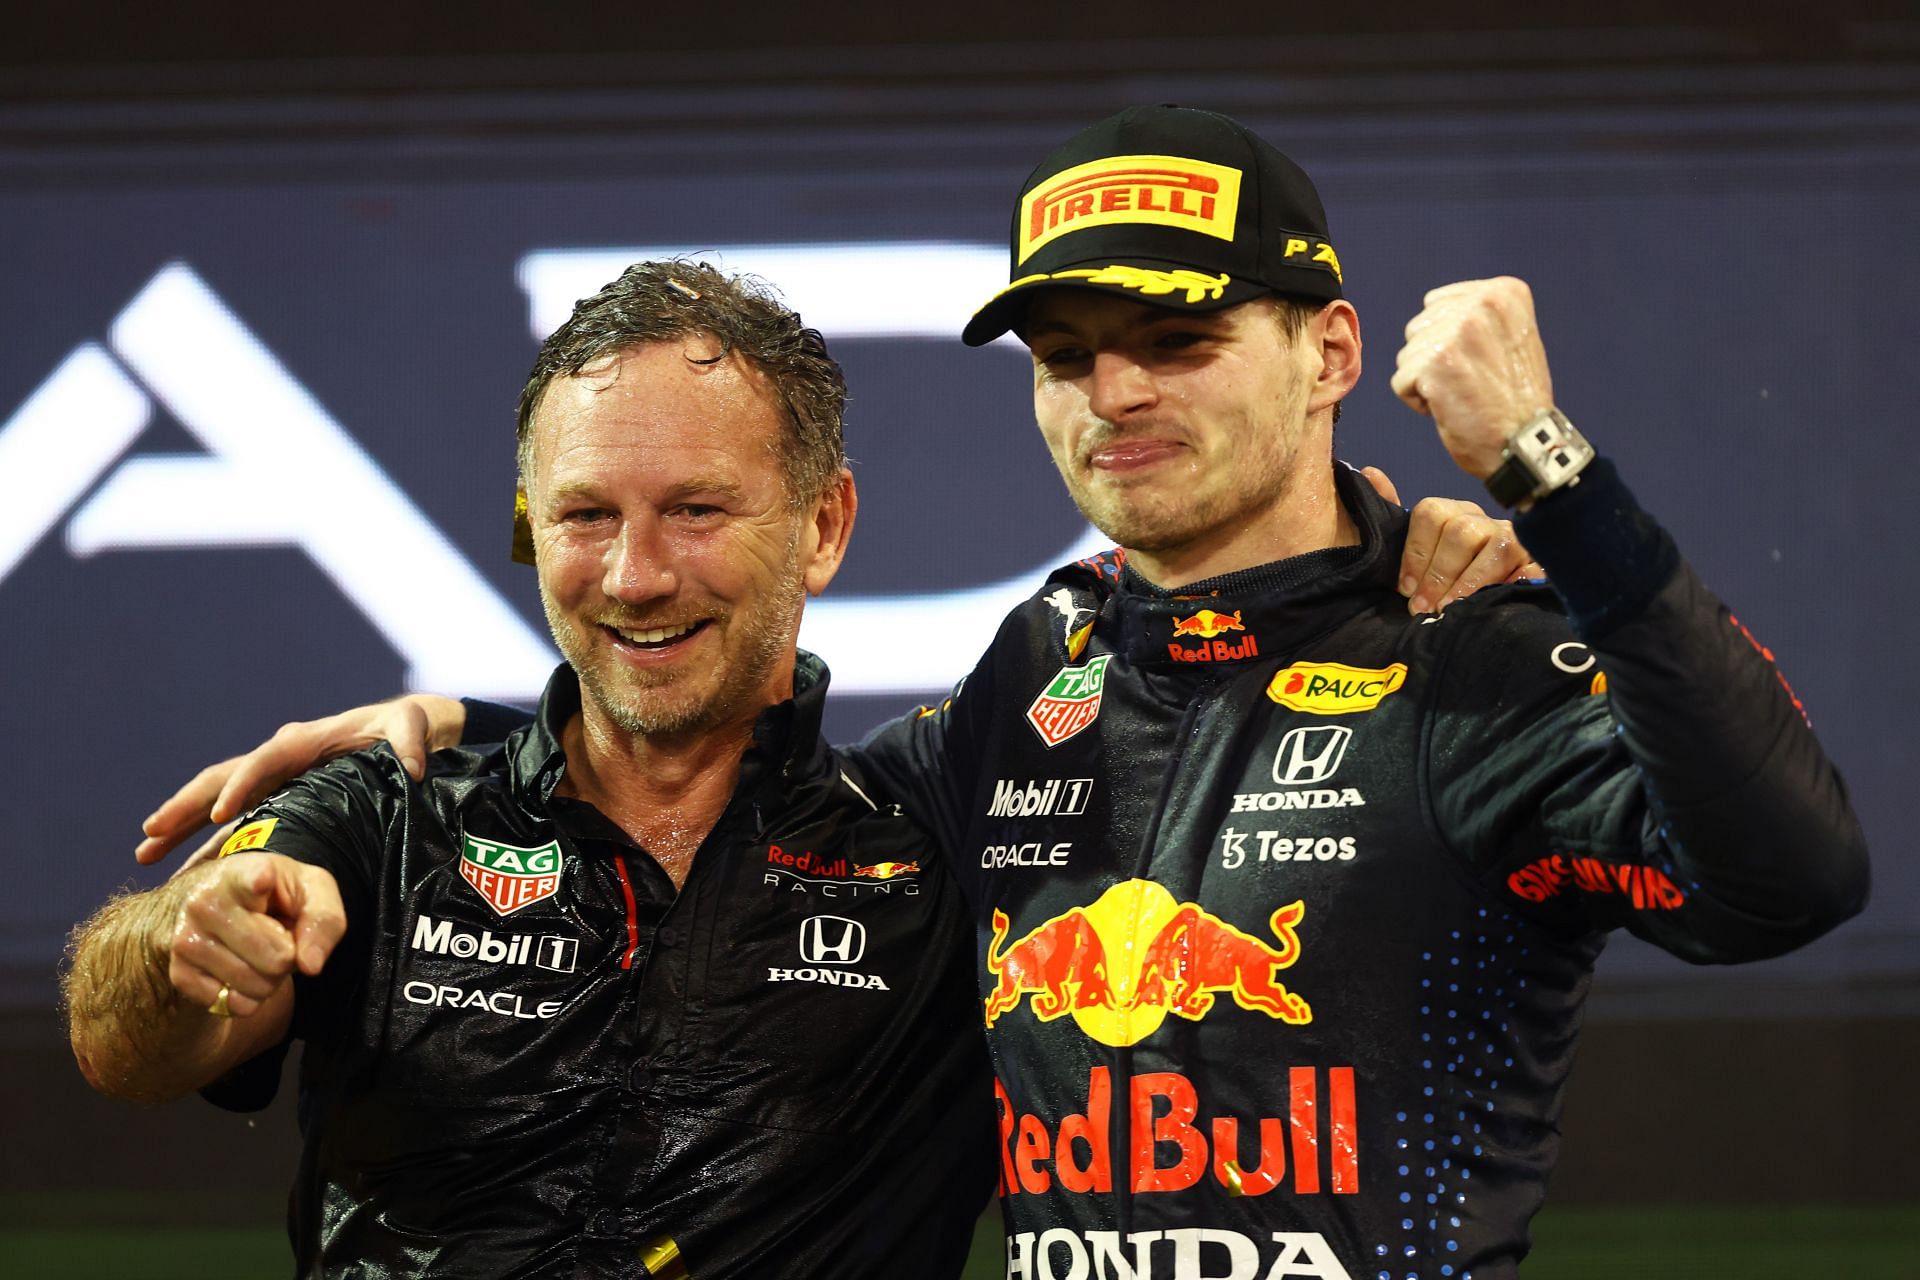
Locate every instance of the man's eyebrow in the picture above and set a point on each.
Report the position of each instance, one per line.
(1048, 327)
(587, 486)
(572, 488)
(1145, 319)
(706, 485)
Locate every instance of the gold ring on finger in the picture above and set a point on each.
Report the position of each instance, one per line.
(219, 1006)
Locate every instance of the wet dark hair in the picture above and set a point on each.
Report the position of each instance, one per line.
(1292, 314)
(658, 301)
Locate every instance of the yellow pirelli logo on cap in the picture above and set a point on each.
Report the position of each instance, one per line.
(1167, 191)
(252, 836)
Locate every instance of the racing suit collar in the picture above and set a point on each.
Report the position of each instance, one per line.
(1258, 612)
(787, 733)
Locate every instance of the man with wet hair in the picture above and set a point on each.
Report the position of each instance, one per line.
(654, 988)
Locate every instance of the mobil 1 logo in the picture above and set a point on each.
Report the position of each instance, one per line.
(543, 951)
(1045, 797)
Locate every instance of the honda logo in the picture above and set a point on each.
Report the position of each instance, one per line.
(1310, 753)
(832, 940)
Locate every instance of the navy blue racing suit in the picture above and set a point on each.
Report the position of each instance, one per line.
(1287, 902)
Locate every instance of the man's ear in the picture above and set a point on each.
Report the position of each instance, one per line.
(1337, 329)
(829, 527)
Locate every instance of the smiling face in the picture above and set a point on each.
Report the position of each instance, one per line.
(673, 565)
(1192, 437)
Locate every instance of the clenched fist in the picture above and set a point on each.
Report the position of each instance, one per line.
(246, 922)
(1474, 362)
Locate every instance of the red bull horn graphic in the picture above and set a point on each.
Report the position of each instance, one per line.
(1207, 624)
(1204, 626)
(886, 870)
(1121, 965)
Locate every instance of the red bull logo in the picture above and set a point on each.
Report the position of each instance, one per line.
(1207, 624)
(1315, 1146)
(807, 862)
(1120, 965)
(886, 870)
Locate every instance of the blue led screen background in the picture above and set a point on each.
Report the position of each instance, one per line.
(282, 481)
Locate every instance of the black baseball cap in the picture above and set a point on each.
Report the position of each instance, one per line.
(1166, 205)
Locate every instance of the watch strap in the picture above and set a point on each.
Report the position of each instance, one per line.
(1512, 484)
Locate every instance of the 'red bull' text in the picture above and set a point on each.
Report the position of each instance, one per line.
(1173, 1146)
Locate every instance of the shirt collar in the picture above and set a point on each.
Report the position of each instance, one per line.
(1251, 614)
(787, 733)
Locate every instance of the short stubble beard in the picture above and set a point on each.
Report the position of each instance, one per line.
(1157, 521)
(766, 643)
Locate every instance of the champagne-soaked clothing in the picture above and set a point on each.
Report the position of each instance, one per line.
(530, 1056)
(1287, 902)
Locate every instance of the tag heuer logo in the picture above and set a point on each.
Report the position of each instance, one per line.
(509, 877)
(1070, 702)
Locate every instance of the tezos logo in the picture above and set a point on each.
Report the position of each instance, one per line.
(510, 877)
(1062, 797)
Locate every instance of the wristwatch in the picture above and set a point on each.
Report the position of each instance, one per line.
(1543, 454)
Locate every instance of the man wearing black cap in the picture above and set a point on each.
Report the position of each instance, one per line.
(1289, 901)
